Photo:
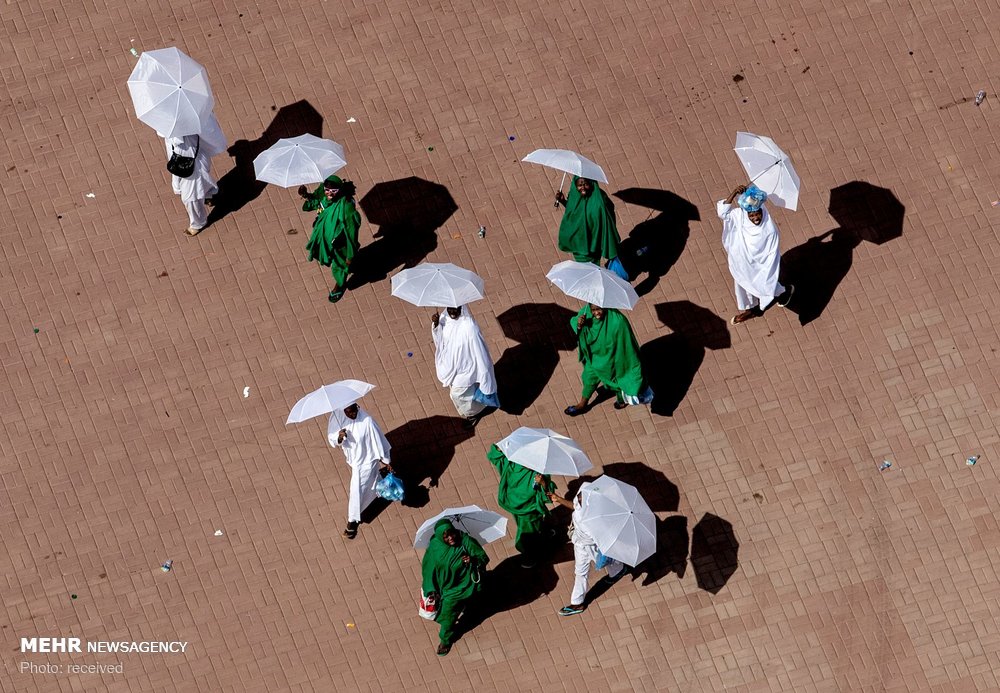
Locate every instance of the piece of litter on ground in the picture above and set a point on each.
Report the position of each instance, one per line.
(430, 149)
(90, 195)
(36, 330)
(456, 236)
(246, 392)
(73, 596)
(162, 274)
(885, 465)
(218, 532)
(292, 232)
(995, 203)
(409, 354)
(352, 119)
(133, 51)
(972, 460)
(167, 567)
(510, 138)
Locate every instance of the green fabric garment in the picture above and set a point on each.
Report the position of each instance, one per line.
(588, 228)
(518, 495)
(609, 352)
(444, 573)
(334, 240)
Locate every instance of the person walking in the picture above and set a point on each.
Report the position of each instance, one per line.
(752, 242)
(585, 552)
(367, 453)
(463, 363)
(334, 240)
(523, 493)
(452, 571)
(589, 229)
(198, 188)
(609, 352)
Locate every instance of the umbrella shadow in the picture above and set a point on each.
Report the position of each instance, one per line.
(671, 551)
(240, 185)
(408, 213)
(421, 451)
(714, 552)
(655, 245)
(670, 362)
(523, 371)
(659, 492)
(508, 586)
(864, 212)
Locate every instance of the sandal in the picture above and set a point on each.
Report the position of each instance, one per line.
(192, 231)
(352, 530)
(443, 650)
(335, 296)
(788, 291)
(621, 405)
(743, 317)
(573, 410)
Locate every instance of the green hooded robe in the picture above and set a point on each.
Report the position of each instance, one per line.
(588, 229)
(519, 496)
(334, 240)
(446, 575)
(609, 353)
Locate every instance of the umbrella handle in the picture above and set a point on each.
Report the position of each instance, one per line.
(776, 162)
(561, 184)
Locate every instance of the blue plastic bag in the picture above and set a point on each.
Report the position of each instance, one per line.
(616, 267)
(601, 561)
(389, 487)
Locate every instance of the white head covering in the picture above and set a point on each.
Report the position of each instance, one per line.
(461, 356)
(754, 256)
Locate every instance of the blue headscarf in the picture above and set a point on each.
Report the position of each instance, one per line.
(752, 199)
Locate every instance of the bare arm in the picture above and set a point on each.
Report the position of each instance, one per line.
(738, 191)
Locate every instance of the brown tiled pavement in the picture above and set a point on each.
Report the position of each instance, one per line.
(126, 440)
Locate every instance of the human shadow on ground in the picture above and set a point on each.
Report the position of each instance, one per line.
(714, 552)
(422, 450)
(240, 185)
(864, 212)
(408, 212)
(508, 586)
(655, 244)
(670, 362)
(523, 371)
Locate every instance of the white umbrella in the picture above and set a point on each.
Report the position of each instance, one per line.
(170, 92)
(593, 284)
(437, 284)
(484, 526)
(328, 398)
(299, 160)
(616, 516)
(567, 162)
(769, 169)
(545, 451)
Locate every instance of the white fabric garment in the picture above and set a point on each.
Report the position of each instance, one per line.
(201, 184)
(585, 553)
(197, 214)
(754, 255)
(461, 356)
(465, 402)
(363, 447)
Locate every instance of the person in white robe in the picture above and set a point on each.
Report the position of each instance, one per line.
(463, 363)
(367, 452)
(200, 186)
(585, 553)
(751, 240)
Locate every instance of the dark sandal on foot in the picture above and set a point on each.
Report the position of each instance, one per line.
(352, 530)
(335, 296)
(621, 405)
(443, 650)
(573, 410)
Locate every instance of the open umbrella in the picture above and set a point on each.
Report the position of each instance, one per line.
(484, 526)
(568, 162)
(437, 284)
(616, 516)
(545, 451)
(769, 169)
(328, 398)
(593, 284)
(170, 92)
(299, 160)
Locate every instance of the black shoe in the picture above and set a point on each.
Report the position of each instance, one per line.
(443, 650)
(352, 530)
(784, 299)
(608, 580)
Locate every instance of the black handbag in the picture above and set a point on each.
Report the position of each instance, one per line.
(182, 166)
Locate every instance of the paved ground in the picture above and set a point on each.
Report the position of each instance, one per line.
(788, 562)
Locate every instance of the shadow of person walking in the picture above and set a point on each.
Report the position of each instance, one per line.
(714, 552)
(408, 213)
(671, 362)
(655, 244)
(864, 212)
(240, 185)
(422, 449)
(523, 370)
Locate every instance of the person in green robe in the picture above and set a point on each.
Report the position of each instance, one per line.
(334, 240)
(609, 353)
(452, 571)
(588, 229)
(524, 494)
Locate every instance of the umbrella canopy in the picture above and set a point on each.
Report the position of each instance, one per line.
(299, 160)
(170, 93)
(769, 169)
(593, 284)
(484, 526)
(568, 162)
(619, 520)
(328, 398)
(437, 284)
(545, 452)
